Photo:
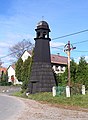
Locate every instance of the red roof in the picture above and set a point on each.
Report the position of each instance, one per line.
(58, 59)
(30, 52)
(13, 66)
(3, 69)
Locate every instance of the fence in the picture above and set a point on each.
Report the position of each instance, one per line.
(60, 90)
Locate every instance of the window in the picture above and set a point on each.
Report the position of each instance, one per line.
(38, 35)
(44, 35)
(57, 68)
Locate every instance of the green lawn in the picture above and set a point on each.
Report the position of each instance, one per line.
(74, 100)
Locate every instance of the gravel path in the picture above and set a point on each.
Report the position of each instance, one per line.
(38, 111)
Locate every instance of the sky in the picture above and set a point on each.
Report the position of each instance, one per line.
(18, 20)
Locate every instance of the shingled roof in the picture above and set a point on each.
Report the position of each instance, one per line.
(58, 59)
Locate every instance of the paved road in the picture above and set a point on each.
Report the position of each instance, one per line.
(10, 107)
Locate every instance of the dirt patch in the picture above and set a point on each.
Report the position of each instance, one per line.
(66, 107)
(40, 111)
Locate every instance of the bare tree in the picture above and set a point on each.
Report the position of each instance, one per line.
(18, 49)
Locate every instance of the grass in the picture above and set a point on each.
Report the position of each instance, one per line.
(74, 100)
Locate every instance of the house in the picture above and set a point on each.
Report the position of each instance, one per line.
(58, 62)
(11, 75)
(25, 55)
(11, 69)
(2, 70)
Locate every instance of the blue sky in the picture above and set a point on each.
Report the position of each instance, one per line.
(18, 19)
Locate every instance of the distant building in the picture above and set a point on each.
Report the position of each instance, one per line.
(11, 75)
(2, 70)
(25, 55)
(58, 62)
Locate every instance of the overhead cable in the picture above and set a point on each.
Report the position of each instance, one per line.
(70, 34)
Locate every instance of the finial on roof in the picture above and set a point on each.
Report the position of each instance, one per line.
(58, 53)
(42, 18)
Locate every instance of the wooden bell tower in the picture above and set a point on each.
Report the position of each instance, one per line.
(42, 77)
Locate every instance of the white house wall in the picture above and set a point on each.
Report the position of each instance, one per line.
(58, 69)
(25, 56)
(11, 72)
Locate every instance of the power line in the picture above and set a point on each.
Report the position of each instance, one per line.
(8, 55)
(51, 47)
(74, 51)
(18, 50)
(58, 38)
(12, 53)
(80, 42)
(70, 34)
(80, 51)
(57, 48)
(72, 43)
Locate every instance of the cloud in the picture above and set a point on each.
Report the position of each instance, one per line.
(86, 58)
(13, 38)
(77, 59)
(56, 44)
(19, 36)
(4, 45)
(8, 41)
(7, 60)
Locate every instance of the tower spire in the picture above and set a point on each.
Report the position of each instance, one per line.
(42, 18)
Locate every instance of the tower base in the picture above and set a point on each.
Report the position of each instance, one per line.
(42, 78)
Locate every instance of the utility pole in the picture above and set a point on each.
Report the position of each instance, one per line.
(68, 47)
(69, 63)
